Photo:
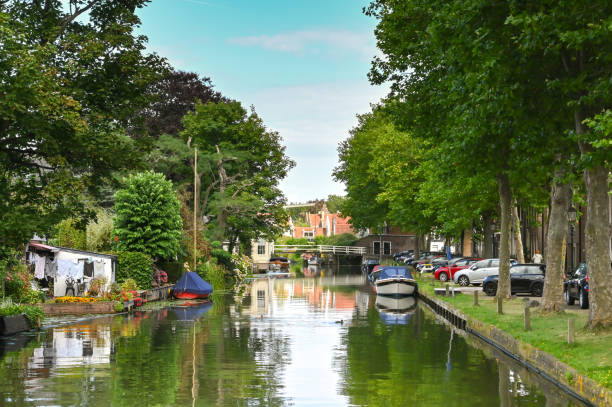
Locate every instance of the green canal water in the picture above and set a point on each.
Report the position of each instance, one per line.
(323, 339)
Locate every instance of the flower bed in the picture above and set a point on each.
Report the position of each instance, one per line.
(69, 299)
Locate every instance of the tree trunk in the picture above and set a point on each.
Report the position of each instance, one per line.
(417, 246)
(488, 235)
(597, 237)
(505, 203)
(518, 239)
(467, 242)
(560, 195)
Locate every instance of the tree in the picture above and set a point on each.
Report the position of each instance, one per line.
(576, 40)
(463, 85)
(334, 203)
(148, 218)
(72, 77)
(176, 94)
(240, 164)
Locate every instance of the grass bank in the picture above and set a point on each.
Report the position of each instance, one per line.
(590, 354)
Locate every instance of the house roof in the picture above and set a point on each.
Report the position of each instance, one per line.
(55, 249)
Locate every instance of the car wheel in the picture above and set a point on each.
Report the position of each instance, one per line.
(463, 281)
(490, 289)
(568, 297)
(537, 289)
(583, 299)
(443, 277)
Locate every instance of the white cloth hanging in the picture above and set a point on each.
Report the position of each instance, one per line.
(67, 268)
(99, 268)
(39, 270)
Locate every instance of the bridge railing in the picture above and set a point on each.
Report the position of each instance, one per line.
(321, 248)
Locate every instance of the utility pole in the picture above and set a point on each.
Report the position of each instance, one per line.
(195, 207)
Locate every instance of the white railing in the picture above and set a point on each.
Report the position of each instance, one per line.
(322, 248)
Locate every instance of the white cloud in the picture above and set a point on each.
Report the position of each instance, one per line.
(313, 120)
(309, 41)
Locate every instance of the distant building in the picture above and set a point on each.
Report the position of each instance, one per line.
(391, 240)
(322, 223)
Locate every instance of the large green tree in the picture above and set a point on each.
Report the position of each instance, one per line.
(148, 216)
(73, 75)
(239, 167)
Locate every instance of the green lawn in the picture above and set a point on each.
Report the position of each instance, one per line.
(591, 354)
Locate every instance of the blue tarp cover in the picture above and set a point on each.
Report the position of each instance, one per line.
(190, 282)
(391, 272)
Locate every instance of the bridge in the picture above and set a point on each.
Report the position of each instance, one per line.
(321, 248)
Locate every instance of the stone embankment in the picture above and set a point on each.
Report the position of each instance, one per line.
(583, 388)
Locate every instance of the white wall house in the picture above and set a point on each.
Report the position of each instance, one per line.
(261, 251)
(61, 263)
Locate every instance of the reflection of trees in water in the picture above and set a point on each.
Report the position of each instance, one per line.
(406, 365)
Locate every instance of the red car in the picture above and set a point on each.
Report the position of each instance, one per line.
(442, 273)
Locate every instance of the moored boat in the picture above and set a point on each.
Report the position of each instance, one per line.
(191, 286)
(395, 280)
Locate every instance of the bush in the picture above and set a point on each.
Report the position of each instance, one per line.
(129, 285)
(96, 286)
(70, 235)
(148, 217)
(17, 283)
(33, 313)
(173, 269)
(224, 258)
(137, 266)
(214, 274)
(118, 307)
(99, 233)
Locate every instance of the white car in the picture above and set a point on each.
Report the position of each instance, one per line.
(478, 271)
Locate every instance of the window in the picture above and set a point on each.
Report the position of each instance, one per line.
(494, 263)
(308, 234)
(376, 247)
(387, 248)
(261, 248)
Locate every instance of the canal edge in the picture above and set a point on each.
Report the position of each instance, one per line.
(582, 387)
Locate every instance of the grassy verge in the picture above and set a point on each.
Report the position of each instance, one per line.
(32, 312)
(590, 354)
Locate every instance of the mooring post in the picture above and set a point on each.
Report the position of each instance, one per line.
(571, 330)
(527, 318)
(447, 290)
(476, 298)
(500, 301)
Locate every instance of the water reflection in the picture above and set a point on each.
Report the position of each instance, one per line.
(324, 340)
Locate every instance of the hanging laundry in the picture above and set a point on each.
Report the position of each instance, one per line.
(50, 267)
(98, 268)
(67, 268)
(39, 270)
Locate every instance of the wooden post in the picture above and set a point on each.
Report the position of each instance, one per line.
(476, 298)
(447, 290)
(571, 330)
(527, 318)
(500, 302)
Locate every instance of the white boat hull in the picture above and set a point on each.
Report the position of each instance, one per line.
(395, 286)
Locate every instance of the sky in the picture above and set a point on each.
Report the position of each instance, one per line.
(301, 63)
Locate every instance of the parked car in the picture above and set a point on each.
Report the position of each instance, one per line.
(443, 273)
(477, 272)
(399, 257)
(524, 278)
(368, 265)
(429, 259)
(576, 287)
(423, 256)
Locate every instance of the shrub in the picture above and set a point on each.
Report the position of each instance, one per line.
(96, 286)
(129, 285)
(69, 234)
(136, 266)
(115, 289)
(99, 232)
(33, 313)
(160, 277)
(214, 274)
(118, 307)
(148, 218)
(17, 283)
(173, 269)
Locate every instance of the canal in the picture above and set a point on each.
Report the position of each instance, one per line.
(321, 338)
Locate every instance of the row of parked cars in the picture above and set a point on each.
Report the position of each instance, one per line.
(524, 278)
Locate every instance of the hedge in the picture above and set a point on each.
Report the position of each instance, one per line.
(135, 265)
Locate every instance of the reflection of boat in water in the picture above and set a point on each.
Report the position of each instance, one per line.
(191, 311)
(395, 310)
(278, 263)
(395, 280)
(311, 271)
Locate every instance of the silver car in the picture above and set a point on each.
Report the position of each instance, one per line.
(478, 271)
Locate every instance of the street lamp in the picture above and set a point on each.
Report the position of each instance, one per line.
(571, 217)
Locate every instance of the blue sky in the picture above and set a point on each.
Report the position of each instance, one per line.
(301, 63)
